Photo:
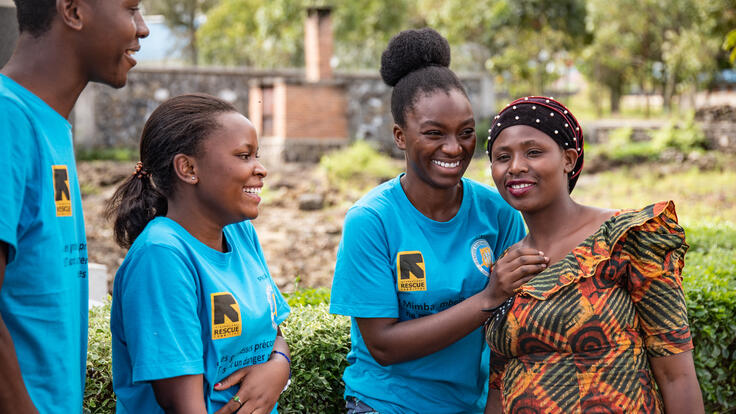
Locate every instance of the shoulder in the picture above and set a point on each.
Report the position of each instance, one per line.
(487, 198)
(379, 202)
(162, 236)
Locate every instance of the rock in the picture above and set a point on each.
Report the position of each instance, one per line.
(311, 202)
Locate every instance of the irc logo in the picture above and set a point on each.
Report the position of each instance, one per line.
(225, 316)
(482, 256)
(410, 271)
(62, 196)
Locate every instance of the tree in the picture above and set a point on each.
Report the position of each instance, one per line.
(653, 45)
(182, 16)
(269, 33)
(524, 41)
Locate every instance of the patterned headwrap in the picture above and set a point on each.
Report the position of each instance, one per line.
(548, 116)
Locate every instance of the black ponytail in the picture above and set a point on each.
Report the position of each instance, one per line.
(177, 126)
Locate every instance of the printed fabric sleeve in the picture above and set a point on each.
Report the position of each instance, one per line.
(655, 252)
(161, 325)
(15, 150)
(497, 368)
(364, 283)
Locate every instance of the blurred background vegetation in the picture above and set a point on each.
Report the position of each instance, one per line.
(658, 48)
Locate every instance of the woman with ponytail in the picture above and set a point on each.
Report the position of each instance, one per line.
(195, 313)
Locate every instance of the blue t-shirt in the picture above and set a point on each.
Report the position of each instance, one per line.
(394, 262)
(43, 299)
(182, 308)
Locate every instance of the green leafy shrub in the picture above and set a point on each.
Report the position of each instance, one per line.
(303, 297)
(683, 136)
(319, 343)
(98, 395)
(358, 164)
(712, 312)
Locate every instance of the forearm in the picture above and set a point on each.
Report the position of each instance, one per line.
(493, 403)
(678, 383)
(281, 347)
(180, 395)
(682, 396)
(396, 342)
(13, 394)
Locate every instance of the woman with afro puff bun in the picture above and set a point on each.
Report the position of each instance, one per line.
(416, 268)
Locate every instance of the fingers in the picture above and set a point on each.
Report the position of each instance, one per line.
(232, 379)
(232, 406)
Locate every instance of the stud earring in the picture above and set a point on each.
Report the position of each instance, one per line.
(194, 178)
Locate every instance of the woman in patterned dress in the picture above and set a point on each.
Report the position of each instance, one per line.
(607, 319)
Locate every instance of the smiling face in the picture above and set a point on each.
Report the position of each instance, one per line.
(438, 139)
(230, 177)
(111, 33)
(529, 168)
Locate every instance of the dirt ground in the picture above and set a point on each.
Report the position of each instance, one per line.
(297, 244)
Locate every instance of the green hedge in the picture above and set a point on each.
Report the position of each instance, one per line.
(319, 341)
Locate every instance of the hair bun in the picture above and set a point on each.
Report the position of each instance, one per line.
(411, 50)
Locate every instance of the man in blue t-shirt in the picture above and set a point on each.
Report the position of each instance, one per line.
(62, 46)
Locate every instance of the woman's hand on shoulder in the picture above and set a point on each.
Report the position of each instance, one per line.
(260, 387)
(516, 267)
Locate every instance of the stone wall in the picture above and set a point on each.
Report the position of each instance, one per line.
(718, 123)
(105, 117)
(8, 30)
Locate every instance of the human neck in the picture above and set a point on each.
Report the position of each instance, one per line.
(552, 223)
(49, 69)
(439, 204)
(198, 224)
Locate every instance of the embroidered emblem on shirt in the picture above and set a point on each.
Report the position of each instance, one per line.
(411, 272)
(482, 256)
(225, 316)
(62, 196)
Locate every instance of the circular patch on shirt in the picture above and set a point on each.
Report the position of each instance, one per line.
(482, 256)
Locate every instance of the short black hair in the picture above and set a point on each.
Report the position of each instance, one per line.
(35, 16)
(416, 61)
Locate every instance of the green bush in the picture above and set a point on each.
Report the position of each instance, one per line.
(358, 164)
(98, 395)
(319, 343)
(684, 136)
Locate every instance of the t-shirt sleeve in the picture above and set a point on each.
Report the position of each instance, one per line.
(515, 230)
(15, 148)
(655, 254)
(364, 285)
(160, 319)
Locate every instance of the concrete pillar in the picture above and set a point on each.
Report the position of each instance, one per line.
(8, 30)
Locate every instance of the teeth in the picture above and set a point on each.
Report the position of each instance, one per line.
(447, 164)
(520, 186)
(252, 190)
(130, 52)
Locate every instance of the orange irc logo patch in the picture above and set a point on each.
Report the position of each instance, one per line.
(225, 316)
(62, 195)
(411, 272)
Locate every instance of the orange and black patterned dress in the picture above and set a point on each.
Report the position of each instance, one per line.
(578, 335)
